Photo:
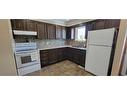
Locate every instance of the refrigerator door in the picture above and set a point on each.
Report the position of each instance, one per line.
(101, 37)
(97, 59)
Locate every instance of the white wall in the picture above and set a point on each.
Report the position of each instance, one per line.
(7, 61)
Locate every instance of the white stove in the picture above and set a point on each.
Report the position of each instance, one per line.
(27, 58)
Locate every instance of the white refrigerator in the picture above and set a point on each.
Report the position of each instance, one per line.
(99, 47)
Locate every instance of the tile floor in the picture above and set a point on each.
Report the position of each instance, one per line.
(64, 68)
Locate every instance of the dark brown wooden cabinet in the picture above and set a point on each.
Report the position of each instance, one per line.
(41, 31)
(51, 29)
(44, 30)
(60, 32)
(23, 24)
(31, 25)
(77, 56)
(18, 24)
(51, 56)
(99, 24)
(44, 58)
(61, 54)
(112, 23)
(105, 23)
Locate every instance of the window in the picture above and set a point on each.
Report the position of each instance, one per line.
(80, 33)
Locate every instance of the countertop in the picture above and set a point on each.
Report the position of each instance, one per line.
(62, 47)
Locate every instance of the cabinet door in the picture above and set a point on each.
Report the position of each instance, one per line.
(19, 24)
(58, 32)
(31, 25)
(41, 31)
(82, 56)
(112, 23)
(61, 54)
(52, 53)
(51, 29)
(70, 54)
(99, 24)
(44, 58)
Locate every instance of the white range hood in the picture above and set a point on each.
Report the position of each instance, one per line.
(19, 32)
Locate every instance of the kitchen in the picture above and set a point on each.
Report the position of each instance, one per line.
(67, 47)
(63, 47)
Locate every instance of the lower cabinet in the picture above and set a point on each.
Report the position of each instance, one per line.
(53, 56)
(77, 56)
(44, 58)
(50, 56)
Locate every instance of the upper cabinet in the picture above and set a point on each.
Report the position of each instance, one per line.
(18, 24)
(60, 32)
(44, 30)
(23, 24)
(112, 23)
(106, 23)
(51, 29)
(31, 25)
(41, 31)
(99, 24)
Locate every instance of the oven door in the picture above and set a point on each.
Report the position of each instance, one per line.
(26, 58)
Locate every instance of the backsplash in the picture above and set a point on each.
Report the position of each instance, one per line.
(76, 43)
(50, 43)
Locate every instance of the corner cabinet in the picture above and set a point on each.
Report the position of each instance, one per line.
(77, 56)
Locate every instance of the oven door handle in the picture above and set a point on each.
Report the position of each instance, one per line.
(33, 60)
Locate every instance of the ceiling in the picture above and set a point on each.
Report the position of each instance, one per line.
(64, 22)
